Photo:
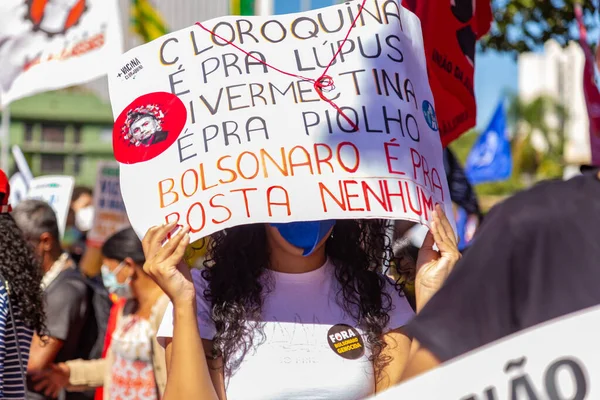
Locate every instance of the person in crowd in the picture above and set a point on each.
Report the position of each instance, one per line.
(67, 297)
(21, 300)
(534, 258)
(134, 366)
(290, 311)
(79, 221)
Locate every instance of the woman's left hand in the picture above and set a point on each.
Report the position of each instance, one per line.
(433, 267)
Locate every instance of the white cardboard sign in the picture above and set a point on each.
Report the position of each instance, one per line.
(56, 191)
(210, 136)
(556, 360)
(18, 189)
(22, 164)
(110, 215)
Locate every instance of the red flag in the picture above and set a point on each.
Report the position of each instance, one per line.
(590, 89)
(450, 32)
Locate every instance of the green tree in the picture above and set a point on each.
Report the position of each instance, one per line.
(525, 118)
(525, 25)
(544, 116)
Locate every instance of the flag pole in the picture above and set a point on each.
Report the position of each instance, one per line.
(264, 7)
(5, 138)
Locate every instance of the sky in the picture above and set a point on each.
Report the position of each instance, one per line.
(494, 72)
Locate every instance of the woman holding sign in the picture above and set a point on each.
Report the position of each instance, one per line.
(289, 311)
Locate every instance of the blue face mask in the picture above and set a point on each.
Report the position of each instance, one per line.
(305, 235)
(109, 279)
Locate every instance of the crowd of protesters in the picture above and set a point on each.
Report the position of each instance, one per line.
(303, 310)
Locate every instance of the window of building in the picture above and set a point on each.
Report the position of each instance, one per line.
(78, 161)
(54, 134)
(77, 134)
(28, 133)
(52, 163)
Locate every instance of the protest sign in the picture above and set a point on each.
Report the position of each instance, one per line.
(56, 191)
(110, 215)
(18, 189)
(451, 30)
(47, 45)
(22, 164)
(556, 360)
(590, 89)
(243, 120)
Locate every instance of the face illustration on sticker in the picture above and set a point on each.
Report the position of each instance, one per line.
(143, 126)
(148, 127)
(346, 342)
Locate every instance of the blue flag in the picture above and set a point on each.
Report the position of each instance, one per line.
(490, 158)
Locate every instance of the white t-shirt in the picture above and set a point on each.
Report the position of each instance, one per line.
(312, 348)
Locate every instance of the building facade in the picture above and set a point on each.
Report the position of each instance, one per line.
(63, 133)
(558, 72)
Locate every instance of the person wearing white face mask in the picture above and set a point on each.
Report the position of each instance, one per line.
(134, 362)
(82, 204)
(80, 221)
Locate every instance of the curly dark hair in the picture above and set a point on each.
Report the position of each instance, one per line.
(405, 256)
(20, 267)
(238, 257)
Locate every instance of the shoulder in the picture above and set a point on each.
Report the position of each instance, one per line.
(201, 287)
(70, 283)
(198, 279)
(3, 293)
(3, 301)
(547, 207)
(552, 196)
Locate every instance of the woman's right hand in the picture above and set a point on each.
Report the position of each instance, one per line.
(164, 263)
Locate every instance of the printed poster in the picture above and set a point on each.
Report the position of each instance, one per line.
(51, 44)
(56, 191)
(18, 189)
(110, 215)
(540, 363)
(240, 120)
(22, 164)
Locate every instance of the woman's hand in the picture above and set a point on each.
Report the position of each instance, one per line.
(52, 380)
(163, 263)
(433, 267)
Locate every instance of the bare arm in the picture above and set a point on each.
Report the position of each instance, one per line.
(397, 351)
(42, 354)
(188, 373)
(215, 367)
(189, 376)
(422, 361)
(433, 267)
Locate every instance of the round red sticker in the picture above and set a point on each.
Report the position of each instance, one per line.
(147, 127)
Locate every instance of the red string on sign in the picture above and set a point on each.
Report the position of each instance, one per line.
(324, 82)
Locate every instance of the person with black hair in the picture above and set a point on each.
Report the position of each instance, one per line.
(21, 300)
(68, 301)
(134, 364)
(292, 311)
(80, 220)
